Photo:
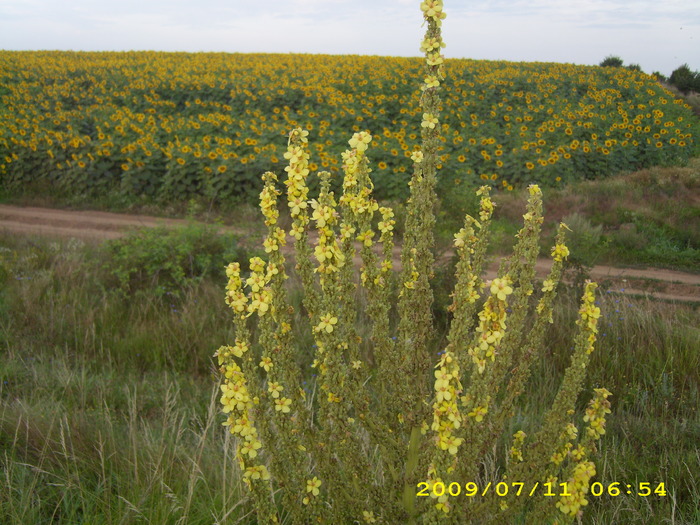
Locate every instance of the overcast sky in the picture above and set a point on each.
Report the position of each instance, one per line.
(659, 35)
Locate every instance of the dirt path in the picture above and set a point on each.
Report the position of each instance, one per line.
(654, 282)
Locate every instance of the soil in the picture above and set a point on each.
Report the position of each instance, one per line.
(655, 283)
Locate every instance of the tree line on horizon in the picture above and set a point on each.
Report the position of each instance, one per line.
(682, 78)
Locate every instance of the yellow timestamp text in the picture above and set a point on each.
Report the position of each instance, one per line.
(471, 489)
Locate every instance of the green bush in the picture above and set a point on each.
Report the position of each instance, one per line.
(168, 260)
(612, 61)
(685, 80)
(587, 244)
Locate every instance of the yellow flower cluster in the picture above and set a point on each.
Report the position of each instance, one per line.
(235, 298)
(432, 9)
(259, 297)
(328, 253)
(589, 314)
(297, 173)
(462, 236)
(577, 487)
(559, 456)
(268, 204)
(238, 404)
(442, 502)
(516, 450)
(595, 413)
(386, 225)
(560, 252)
(486, 205)
(492, 324)
(446, 415)
(358, 199)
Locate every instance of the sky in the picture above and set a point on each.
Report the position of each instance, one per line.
(659, 35)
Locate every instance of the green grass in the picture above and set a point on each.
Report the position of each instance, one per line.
(85, 444)
(108, 404)
(646, 218)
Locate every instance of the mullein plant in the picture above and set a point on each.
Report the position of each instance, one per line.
(387, 425)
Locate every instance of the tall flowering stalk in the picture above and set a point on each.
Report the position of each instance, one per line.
(415, 326)
(382, 416)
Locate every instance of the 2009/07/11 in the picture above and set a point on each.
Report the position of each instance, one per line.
(502, 489)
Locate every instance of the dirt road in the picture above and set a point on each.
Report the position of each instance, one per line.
(653, 282)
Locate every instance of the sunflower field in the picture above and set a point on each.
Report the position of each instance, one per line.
(172, 126)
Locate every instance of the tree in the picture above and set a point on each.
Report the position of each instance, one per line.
(685, 80)
(612, 61)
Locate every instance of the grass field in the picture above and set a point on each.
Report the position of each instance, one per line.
(109, 398)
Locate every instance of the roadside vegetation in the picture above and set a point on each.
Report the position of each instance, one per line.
(108, 406)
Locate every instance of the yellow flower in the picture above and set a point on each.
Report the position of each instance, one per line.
(266, 363)
(368, 516)
(429, 121)
(327, 323)
(417, 157)
(333, 398)
(250, 447)
(366, 237)
(298, 133)
(560, 252)
(257, 472)
(274, 389)
(478, 413)
(450, 443)
(431, 81)
(433, 9)
(386, 226)
(270, 245)
(283, 404)
(500, 288)
(312, 485)
(240, 348)
(435, 59)
(360, 141)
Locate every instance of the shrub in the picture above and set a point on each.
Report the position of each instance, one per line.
(587, 245)
(167, 260)
(387, 431)
(612, 61)
(685, 80)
